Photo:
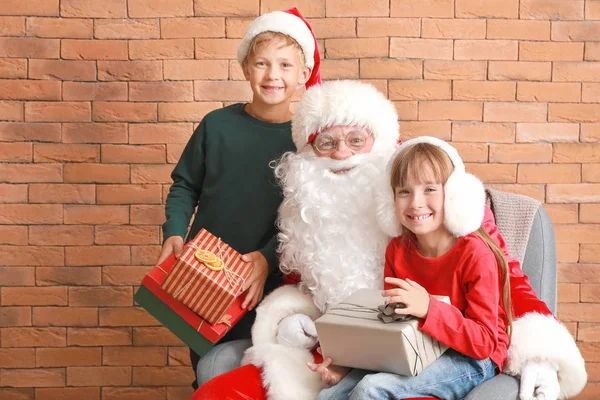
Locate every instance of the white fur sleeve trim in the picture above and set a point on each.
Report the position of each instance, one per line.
(538, 337)
(282, 302)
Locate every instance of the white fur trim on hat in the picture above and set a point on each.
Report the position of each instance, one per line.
(464, 202)
(282, 22)
(345, 103)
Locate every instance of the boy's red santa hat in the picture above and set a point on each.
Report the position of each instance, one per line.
(292, 24)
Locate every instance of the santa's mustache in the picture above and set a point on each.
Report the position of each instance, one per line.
(326, 163)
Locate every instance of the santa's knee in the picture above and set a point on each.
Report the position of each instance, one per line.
(221, 359)
(370, 387)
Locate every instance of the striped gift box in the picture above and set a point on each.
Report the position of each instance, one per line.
(207, 292)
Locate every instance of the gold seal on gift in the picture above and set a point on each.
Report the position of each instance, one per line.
(209, 259)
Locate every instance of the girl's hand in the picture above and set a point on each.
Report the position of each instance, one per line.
(255, 284)
(410, 293)
(330, 374)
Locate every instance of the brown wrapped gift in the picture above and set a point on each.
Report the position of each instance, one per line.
(353, 336)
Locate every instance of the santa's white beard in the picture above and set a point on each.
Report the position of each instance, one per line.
(328, 229)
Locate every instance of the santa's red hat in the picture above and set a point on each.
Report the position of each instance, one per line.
(292, 24)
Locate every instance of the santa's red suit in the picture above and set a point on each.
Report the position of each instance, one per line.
(331, 238)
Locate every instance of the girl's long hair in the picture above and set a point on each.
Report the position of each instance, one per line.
(407, 166)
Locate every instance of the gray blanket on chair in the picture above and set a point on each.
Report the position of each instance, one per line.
(514, 215)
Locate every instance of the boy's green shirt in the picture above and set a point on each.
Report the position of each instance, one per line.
(225, 170)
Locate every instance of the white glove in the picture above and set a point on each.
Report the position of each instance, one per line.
(539, 381)
(297, 330)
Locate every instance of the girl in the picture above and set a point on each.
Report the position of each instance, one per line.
(442, 251)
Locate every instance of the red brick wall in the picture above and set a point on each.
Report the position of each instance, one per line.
(97, 99)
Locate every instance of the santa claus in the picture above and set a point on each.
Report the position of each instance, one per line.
(345, 132)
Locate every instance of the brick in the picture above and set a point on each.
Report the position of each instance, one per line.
(357, 8)
(385, 68)
(127, 275)
(30, 214)
(563, 214)
(100, 296)
(61, 235)
(447, 110)
(575, 30)
(29, 47)
(29, 7)
(179, 356)
(161, 49)
(491, 91)
(160, 173)
(589, 253)
(126, 235)
(13, 193)
(568, 252)
(12, 26)
(592, 51)
(94, 49)
(57, 111)
(549, 173)
(161, 376)
(96, 215)
(592, 10)
(589, 332)
(121, 316)
(96, 173)
(69, 28)
(124, 112)
(13, 235)
(491, 9)
(65, 316)
(99, 337)
(535, 191)
(129, 70)
(339, 69)
(381, 27)
(568, 293)
(179, 392)
(13, 68)
(67, 276)
(98, 376)
(16, 152)
(133, 154)
(134, 356)
(22, 173)
(357, 47)
(145, 255)
(182, 112)
(310, 8)
(229, 8)
(96, 255)
(590, 93)
(195, 69)
(126, 29)
(51, 377)
(222, 91)
(95, 132)
(11, 110)
(160, 133)
(521, 153)
(518, 29)
(129, 194)
(576, 152)
(50, 152)
(160, 8)
(472, 152)
(520, 71)
(458, 70)
(483, 132)
(33, 337)
(29, 90)
(590, 173)
(419, 90)
(445, 28)
(17, 358)
(550, 51)
(89, 393)
(179, 28)
(174, 151)
(34, 296)
(92, 91)
(440, 49)
(575, 193)
(493, 173)
(551, 9)
(576, 72)
(93, 9)
(14, 316)
(161, 91)
(485, 50)
(580, 312)
(422, 8)
(589, 213)
(134, 393)
(412, 129)
(549, 92)
(18, 276)
(235, 27)
(514, 112)
(406, 110)
(154, 336)
(564, 112)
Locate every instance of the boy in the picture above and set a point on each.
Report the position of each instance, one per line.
(224, 169)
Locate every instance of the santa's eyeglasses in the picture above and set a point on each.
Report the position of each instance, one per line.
(355, 140)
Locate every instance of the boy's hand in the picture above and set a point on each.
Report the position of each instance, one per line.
(173, 244)
(255, 284)
(330, 374)
(410, 293)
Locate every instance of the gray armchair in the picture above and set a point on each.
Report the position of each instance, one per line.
(539, 264)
